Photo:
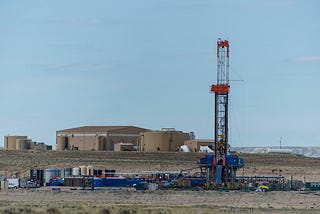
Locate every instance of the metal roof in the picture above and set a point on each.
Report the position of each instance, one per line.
(95, 129)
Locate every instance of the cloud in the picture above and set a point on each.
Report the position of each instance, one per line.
(306, 59)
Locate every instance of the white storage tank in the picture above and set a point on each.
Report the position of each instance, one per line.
(83, 170)
(75, 171)
(67, 172)
(62, 143)
(90, 170)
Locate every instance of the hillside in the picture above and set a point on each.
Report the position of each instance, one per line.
(310, 151)
(19, 163)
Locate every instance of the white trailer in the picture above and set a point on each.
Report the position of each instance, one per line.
(13, 183)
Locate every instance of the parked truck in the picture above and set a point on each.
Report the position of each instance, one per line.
(13, 183)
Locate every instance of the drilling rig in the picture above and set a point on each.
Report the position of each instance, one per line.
(220, 167)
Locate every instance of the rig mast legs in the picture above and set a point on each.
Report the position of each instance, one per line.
(220, 167)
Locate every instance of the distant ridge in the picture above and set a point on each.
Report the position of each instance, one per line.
(312, 151)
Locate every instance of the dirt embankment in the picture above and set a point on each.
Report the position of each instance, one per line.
(19, 163)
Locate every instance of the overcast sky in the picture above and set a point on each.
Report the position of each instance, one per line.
(150, 63)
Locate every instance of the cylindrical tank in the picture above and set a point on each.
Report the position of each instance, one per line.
(52, 173)
(153, 141)
(32, 145)
(25, 144)
(22, 144)
(18, 144)
(90, 170)
(4, 185)
(10, 142)
(109, 145)
(83, 170)
(75, 171)
(101, 143)
(62, 143)
(37, 175)
(67, 172)
(99, 146)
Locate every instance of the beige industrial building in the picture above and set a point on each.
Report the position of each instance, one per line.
(14, 142)
(164, 140)
(194, 144)
(22, 143)
(99, 138)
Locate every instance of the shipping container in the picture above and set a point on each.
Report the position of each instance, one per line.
(73, 181)
(23, 182)
(114, 182)
(97, 182)
(78, 181)
(130, 182)
(142, 186)
(198, 181)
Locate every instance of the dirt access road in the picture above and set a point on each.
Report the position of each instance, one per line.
(160, 201)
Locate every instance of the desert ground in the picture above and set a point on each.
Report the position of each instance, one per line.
(165, 201)
(46, 200)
